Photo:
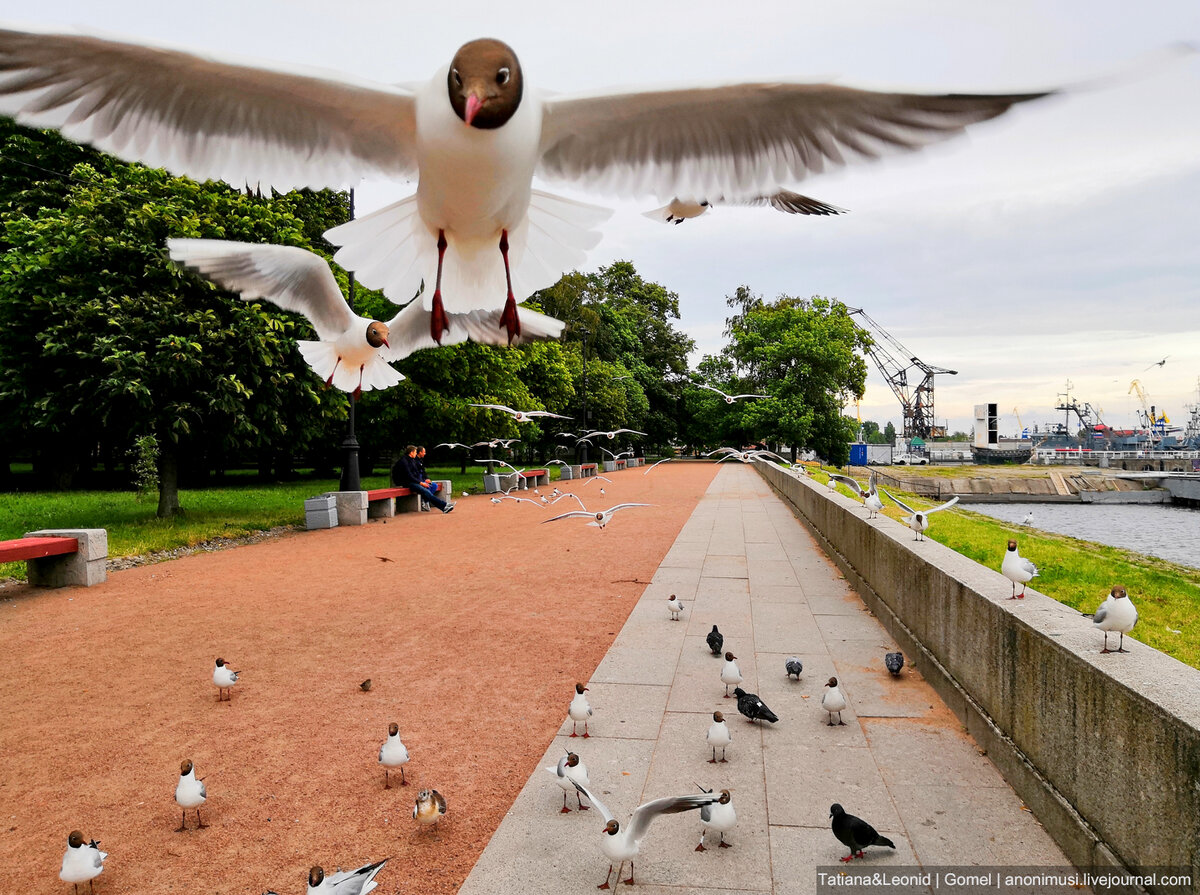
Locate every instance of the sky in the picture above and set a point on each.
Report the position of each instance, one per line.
(1058, 244)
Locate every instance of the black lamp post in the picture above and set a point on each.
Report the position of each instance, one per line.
(350, 477)
(583, 448)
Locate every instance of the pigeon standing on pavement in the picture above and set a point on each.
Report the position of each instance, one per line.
(190, 793)
(793, 665)
(676, 607)
(716, 640)
(1116, 613)
(718, 736)
(82, 861)
(855, 833)
(731, 675)
(1017, 569)
(752, 707)
(429, 808)
(393, 754)
(579, 710)
(719, 817)
(834, 701)
(894, 662)
(569, 771)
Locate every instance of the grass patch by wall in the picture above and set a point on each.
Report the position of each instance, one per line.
(1076, 572)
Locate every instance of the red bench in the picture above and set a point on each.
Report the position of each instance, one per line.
(621, 464)
(539, 476)
(382, 501)
(36, 548)
(60, 557)
(587, 469)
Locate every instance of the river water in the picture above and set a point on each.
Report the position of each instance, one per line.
(1162, 530)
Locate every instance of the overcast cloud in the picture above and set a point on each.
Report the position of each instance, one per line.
(1059, 242)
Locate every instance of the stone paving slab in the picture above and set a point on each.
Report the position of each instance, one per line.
(902, 761)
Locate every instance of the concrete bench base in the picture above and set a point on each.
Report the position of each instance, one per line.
(81, 569)
(320, 512)
(494, 482)
(351, 507)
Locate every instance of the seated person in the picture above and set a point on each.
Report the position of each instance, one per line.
(410, 473)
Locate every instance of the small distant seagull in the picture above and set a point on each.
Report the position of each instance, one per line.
(676, 607)
(190, 793)
(494, 443)
(833, 701)
(894, 662)
(663, 460)
(1116, 613)
(452, 445)
(596, 478)
(870, 498)
(718, 736)
(615, 457)
(82, 861)
(429, 808)
(1018, 570)
(223, 679)
(557, 463)
(831, 483)
(679, 210)
(567, 494)
(599, 519)
(366, 685)
(731, 675)
(622, 844)
(514, 469)
(521, 416)
(793, 665)
(518, 500)
(718, 817)
(1028, 520)
(729, 399)
(393, 754)
(716, 640)
(569, 771)
(918, 520)
(752, 707)
(345, 882)
(1158, 363)
(855, 833)
(613, 434)
(579, 710)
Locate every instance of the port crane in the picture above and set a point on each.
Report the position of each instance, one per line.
(916, 397)
(1155, 422)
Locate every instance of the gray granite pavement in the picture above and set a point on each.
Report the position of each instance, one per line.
(902, 762)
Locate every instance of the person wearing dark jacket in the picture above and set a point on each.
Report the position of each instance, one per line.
(410, 473)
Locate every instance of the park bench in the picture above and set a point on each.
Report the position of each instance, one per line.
(538, 477)
(587, 469)
(386, 502)
(60, 557)
(621, 464)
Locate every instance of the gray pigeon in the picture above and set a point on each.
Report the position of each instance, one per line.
(793, 666)
(752, 707)
(716, 640)
(855, 833)
(894, 662)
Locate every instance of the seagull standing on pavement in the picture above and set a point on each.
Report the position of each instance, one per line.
(393, 754)
(1116, 613)
(1017, 569)
(918, 520)
(793, 665)
(719, 817)
(731, 675)
(718, 736)
(579, 710)
(716, 640)
(855, 833)
(224, 678)
(344, 882)
(752, 707)
(569, 771)
(834, 701)
(621, 844)
(82, 861)
(676, 607)
(190, 793)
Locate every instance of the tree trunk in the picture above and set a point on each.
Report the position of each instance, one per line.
(168, 480)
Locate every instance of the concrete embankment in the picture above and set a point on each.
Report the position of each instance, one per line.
(1104, 749)
(1024, 484)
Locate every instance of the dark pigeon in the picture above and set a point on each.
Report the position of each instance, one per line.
(752, 707)
(894, 662)
(855, 833)
(793, 666)
(715, 641)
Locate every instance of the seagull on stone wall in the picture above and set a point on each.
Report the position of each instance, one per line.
(918, 520)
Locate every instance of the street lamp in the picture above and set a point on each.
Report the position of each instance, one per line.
(350, 477)
(583, 448)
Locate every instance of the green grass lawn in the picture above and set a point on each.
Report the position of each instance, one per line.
(232, 511)
(1078, 573)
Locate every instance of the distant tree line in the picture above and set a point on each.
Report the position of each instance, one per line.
(104, 343)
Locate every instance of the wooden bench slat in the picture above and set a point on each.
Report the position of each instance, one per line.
(385, 493)
(36, 548)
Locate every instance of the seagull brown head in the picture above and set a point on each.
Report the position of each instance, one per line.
(725, 797)
(393, 729)
(832, 682)
(185, 767)
(718, 717)
(1012, 545)
(579, 688)
(1119, 593)
(729, 657)
(377, 334)
(572, 759)
(485, 83)
(315, 876)
(75, 839)
(220, 663)
(612, 828)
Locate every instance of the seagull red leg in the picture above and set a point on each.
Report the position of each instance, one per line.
(200, 825)
(565, 809)
(604, 885)
(329, 381)
(629, 882)
(438, 323)
(509, 319)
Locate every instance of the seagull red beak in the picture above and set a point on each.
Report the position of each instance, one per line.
(474, 104)
(385, 344)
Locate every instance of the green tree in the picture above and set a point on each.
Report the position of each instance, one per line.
(889, 433)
